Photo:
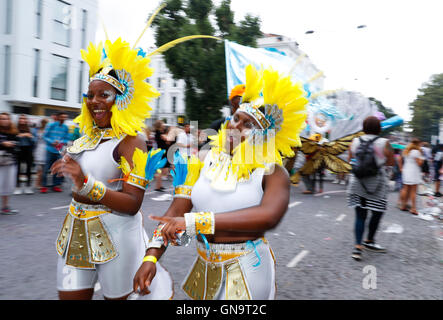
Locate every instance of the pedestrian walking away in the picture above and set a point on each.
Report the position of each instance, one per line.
(102, 237)
(368, 186)
(26, 144)
(230, 203)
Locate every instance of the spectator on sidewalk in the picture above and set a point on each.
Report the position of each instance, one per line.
(411, 175)
(40, 151)
(8, 161)
(369, 192)
(26, 142)
(56, 136)
(438, 160)
(427, 155)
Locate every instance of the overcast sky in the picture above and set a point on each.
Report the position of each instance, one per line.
(390, 59)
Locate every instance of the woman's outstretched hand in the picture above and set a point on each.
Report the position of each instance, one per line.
(171, 227)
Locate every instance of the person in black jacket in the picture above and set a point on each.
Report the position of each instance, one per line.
(8, 162)
(26, 143)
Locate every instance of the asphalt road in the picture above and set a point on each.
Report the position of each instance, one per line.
(312, 245)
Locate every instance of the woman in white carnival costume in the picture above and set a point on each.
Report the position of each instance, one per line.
(236, 194)
(102, 237)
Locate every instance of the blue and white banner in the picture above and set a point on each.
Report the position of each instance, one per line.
(238, 57)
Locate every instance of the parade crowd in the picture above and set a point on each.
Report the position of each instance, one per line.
(29, 149)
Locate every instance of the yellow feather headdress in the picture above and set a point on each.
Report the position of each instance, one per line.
(131, 65)
(279, 107)
(131, 106)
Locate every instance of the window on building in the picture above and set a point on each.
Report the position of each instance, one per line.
(159, 82)
(62, 23)
(59, 77)
(38, 19)
(174, 104)
(84, 27)
(158, 104)
(7, 74)
(175, 83)
(8, 17)
(36, 72)
(80, 83)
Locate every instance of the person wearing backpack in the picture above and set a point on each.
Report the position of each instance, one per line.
(368, 186)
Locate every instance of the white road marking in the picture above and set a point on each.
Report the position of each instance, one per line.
(340, 217)
(297, 259)
(328, 192)
(296, 203)
(63, 207)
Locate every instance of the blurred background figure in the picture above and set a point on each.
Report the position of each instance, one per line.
(411, 175)
(150, 138)
(396, 170)
(234, 101)
(40, 151)
(185, 141)
(74, 133)
(160, 137)
(56, 136)
(438, 160)
(8, 164)
(427, 161)
(26, 143)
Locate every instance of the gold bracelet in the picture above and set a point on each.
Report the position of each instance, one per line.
(150, 259)
(204, 222)
(97, 192)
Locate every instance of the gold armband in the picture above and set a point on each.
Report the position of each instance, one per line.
(183, 192)
(97, 192)
(137, 181)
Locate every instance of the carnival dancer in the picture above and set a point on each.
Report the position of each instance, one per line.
(235, 195)
(102, 237)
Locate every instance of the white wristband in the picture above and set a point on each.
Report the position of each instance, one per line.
(87, 187)
(190, 224)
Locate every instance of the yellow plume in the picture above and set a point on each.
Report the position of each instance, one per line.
(139, 159)
(93, 57)
(194, 166)
(173, 43)
(254, 84)
(124, 165)
(148, 24)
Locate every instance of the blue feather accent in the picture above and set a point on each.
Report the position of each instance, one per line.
(154, 163)
(180, 170)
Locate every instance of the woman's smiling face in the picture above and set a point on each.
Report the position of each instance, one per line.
(100, 99)
(239, 127)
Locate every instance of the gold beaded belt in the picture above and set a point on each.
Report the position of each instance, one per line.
(83, 238)
(205, 279)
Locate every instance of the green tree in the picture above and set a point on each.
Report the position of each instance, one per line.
(427, 109)
(201, 62)
(388, 112)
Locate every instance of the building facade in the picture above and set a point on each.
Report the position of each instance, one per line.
(42, 71)
(170, 106)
